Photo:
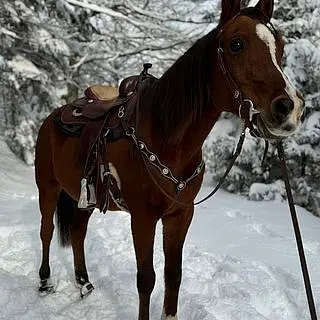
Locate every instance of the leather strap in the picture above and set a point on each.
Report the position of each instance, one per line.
(297, 233)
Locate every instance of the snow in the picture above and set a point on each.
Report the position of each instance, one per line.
(313, 121)
(240, 260)
(224, 127)
(26, 68)
(44, 39)
(263, 191)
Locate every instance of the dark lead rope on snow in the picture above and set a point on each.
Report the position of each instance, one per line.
(297, 233)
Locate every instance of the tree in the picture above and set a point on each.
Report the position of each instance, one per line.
(51, 50)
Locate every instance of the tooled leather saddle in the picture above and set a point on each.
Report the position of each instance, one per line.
(97, 119)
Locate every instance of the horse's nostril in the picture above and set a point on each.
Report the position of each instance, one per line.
(288, 127)
(283, 107)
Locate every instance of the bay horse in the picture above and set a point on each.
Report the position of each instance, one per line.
(234, 68)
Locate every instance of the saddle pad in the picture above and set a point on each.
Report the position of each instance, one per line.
(71, 130)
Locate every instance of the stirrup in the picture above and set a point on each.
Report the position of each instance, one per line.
(83, 199)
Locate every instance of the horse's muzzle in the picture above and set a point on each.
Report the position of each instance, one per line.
(271, 132)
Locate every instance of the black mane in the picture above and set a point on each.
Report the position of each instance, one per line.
(182, 91)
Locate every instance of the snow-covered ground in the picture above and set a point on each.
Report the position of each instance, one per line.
(240, 261)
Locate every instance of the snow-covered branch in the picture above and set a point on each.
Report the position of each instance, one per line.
(121, 16)
(108, 56)
(158, 16)
(9, 33)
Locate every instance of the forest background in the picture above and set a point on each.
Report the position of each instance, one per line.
(50, 50)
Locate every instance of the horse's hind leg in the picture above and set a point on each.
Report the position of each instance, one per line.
(48, 197)
(175, 228)
(78, 233)
(72, 226)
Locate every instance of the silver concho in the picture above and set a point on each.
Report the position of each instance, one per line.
(165, 171)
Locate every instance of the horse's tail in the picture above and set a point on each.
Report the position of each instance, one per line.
(65, 214)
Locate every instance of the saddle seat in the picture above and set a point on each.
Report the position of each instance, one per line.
(102, 92)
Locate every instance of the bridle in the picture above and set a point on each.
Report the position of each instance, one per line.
(246, 107)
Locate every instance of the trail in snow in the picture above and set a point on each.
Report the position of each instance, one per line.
(240, 261)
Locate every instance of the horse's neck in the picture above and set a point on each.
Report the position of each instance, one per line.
(180, 112)
(186, 139)
(196, 134)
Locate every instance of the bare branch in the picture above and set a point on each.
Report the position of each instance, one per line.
(9, 33)
(121, 16)
(158, 16)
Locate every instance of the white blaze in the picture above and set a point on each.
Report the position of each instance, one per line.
(268, 38)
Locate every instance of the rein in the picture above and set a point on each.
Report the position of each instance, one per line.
(297, 233)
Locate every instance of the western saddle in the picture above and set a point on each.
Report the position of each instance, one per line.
(101, 115)
(99, 100)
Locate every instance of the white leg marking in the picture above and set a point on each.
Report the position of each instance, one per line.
(164, 317)
(114, 172)
(268, 38)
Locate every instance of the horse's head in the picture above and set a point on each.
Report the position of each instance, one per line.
(250, 52)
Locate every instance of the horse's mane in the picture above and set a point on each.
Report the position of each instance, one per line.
(181, 94)
(182, 91)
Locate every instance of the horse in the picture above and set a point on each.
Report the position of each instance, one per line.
(234, 68)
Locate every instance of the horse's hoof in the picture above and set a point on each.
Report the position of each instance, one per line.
(46, 287)
(86, 289)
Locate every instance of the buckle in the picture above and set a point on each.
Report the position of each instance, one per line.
(130, 131)
(251, 111)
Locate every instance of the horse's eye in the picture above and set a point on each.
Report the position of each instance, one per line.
(236, 45)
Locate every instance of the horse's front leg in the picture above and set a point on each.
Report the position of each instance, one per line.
(175, 227)
(143, 231)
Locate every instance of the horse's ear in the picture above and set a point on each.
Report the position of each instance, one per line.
(266, 7)
(229, 9)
